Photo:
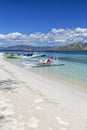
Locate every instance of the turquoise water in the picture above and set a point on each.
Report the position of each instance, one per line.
(74, 71)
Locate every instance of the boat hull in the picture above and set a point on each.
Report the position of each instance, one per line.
(47, 65)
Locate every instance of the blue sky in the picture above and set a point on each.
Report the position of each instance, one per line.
(33, 21)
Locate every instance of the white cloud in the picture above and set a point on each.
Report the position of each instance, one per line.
(54, 37)
(2, 36)
(81, 30)
(54, 30)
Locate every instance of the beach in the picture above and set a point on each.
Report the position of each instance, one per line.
(30, 101)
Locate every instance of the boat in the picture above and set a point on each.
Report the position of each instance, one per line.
(37, 55)
(32, 56)
(11, 56)
(43, 63)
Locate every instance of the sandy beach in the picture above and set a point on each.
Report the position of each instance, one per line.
(30, 101)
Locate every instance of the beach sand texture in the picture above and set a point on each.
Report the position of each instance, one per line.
(29, 101)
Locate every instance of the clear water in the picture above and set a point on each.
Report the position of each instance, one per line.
(74, 71)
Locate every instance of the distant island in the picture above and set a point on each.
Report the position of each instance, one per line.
(68, 47)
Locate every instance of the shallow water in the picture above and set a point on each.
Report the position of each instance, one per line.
(74, 70)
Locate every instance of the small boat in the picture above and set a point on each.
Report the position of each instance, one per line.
(41, 63)
(48, 62)
(37, 56)
(11, 56)
(33, 56)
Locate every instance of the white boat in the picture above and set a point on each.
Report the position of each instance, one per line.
(41, 63)
(34, 56)
(37, 55)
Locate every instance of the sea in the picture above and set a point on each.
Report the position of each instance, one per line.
(73, 71)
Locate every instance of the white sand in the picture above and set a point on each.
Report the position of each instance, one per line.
(29, 101)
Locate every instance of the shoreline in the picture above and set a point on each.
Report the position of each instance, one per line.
(60, 79)
(65, 107)
(77, 86)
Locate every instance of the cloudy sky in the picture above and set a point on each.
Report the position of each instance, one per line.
(42, 22)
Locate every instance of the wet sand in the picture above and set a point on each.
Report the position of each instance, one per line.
(30, 101)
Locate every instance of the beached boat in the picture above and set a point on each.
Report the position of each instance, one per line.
(11, 56)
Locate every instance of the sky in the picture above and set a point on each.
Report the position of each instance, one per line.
(42, 22)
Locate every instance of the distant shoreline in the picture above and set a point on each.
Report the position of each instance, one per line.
(73, 51)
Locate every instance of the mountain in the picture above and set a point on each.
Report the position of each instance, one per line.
(69, 47)
(19, 47)
(26, 48)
